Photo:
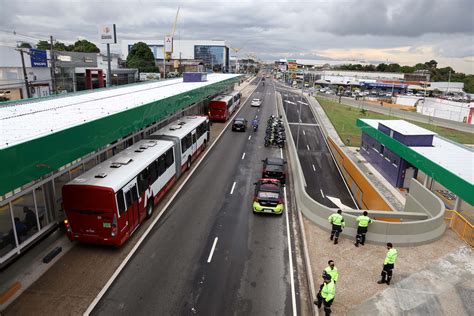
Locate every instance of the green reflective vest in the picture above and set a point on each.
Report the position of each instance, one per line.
(391, 256)
(336, 219)
(363, 221)
(328, 291)
(333, 273)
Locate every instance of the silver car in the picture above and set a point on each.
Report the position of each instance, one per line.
(256, 102)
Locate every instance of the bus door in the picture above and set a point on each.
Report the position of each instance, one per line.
(130, 191)
(194, 145)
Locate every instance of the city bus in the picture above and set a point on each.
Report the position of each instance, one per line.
(222, 106)
(190, 135)
(106, 204)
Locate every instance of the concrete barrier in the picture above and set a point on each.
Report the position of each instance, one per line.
(407, 232)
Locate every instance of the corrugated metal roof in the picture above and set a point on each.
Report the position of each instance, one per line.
(31, 119)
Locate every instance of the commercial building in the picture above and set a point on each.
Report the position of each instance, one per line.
(12, 79)
(213, 54)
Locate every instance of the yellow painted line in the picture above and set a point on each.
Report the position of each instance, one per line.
(8, 293)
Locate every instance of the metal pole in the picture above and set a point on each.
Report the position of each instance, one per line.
(53, 66)
(25, 75)
(164, 64)
(109, 69)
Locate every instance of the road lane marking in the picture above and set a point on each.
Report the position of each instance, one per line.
(243, 156)
(233, 187)
(322, 193)
(292, 280)
(314, 168)
(212, 250)
(307, 146)
(304, 133)
(250, 137)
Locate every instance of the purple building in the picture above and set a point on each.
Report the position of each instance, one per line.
(394, 168)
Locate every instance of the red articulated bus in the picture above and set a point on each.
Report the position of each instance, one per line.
(106, 204)
(222, 106)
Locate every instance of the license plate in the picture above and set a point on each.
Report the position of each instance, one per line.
(106, 225)
(267, 210)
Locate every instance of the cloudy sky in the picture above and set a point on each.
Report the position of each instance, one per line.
(402, 31)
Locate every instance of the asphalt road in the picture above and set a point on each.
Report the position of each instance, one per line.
(324, 182)
(249, 270)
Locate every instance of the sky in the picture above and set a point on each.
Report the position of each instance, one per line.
(400, 31)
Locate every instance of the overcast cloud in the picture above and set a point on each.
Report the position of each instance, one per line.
(403, 31)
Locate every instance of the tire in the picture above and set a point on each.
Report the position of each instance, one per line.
(204, 145)
(149, 208)
(188, 164)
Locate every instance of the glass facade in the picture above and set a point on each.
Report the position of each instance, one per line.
(215, 58)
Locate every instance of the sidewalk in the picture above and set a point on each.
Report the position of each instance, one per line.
(433, 279)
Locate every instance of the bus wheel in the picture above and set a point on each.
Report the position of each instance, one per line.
(149, 208)
(188, 164)
(204, 144)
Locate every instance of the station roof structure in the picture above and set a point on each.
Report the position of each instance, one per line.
(449, 163)
(38, 136)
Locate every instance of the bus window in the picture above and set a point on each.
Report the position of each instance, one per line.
(143, 180)
(134, 193)
(128, 199)
(169, 160)
(194, 139)
(189, 141)
(152, 172)
(120, 202)
(183, 145)
(161, 165)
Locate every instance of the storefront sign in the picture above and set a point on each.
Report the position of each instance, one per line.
(38, 58)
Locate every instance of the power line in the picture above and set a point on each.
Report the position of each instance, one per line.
(13, 32)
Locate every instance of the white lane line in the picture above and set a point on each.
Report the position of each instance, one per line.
(314, 168)
(243, 156)
(281, 153)
(304, 133)
(322, 193)
(307, 146)
(212, 250)
(250, 137)
(292, 280)
(233, 187)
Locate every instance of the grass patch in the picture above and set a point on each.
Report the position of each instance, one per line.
(344, 118)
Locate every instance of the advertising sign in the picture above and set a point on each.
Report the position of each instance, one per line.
(145, 76)
(168, 44)
(108, 34)
(38, 58)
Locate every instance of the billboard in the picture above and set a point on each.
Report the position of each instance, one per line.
(145, 76)
(108, 34)
(38, 58)
(168, 44)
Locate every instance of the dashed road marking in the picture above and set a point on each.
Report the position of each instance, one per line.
(233, 187)
(307, 146)
(243, 155)
(322, 193)
(212, 250)
(314, 169)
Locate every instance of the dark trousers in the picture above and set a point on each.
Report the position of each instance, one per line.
(327, 305)
(360, 237)
(387, 272)
(336, 230)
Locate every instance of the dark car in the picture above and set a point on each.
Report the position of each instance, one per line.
(239, 124)
(274, 168)
(268, 197)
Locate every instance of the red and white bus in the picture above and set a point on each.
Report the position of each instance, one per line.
(222, 106)
(106, 204)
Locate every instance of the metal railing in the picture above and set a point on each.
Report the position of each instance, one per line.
(460, 225)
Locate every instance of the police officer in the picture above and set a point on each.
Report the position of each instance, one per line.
(388, 264)
(338, 224)
(332, 271)
(363, 223)
(326, 294)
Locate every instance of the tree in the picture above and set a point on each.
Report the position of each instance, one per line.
(141, 57)
(43, 45)
(85, 46)
(25, 45)
(59, 46)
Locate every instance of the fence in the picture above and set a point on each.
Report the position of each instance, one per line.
(460, 225)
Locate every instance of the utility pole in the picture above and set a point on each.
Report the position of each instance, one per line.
(109, 69)
(27, 84)
(53, 67)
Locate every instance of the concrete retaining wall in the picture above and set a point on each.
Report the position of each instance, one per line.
(411, 233)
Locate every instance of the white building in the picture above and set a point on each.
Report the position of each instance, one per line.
(213, 53)
(12, 79)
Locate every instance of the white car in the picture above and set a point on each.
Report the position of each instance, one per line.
(256, 102)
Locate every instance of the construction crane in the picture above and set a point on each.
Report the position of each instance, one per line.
(173, 30)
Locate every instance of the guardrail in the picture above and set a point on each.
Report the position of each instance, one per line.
(460, 225)
(404, 233)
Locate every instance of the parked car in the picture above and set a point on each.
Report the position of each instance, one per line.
(239, 124)
(256, 102)
(274, 168)
(268, 197)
